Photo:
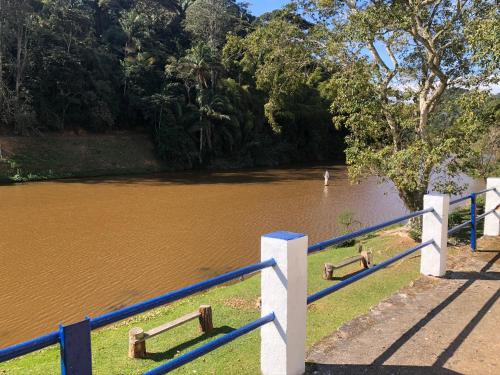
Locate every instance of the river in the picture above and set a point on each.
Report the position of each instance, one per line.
(74, 248)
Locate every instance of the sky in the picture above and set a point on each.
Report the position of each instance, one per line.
(259, 7)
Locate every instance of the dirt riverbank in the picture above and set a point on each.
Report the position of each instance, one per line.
(69, 155)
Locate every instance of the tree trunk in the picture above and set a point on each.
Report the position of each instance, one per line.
(1, 42)
(99, 19)
(1, 62)
(201, 146)
(414, 201)
(22, 52)
(18, 62)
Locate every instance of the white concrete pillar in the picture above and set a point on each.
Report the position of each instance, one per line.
(284, 292)
(492, 221)
(435, 227)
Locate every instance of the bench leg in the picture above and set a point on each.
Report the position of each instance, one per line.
(328, 271)
(367, 259)
(206, 324)
(136, 343)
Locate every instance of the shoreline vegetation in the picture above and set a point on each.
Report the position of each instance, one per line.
(63, 156)
(233, 306)
(53, 157)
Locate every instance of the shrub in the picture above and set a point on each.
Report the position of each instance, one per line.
(347, 222)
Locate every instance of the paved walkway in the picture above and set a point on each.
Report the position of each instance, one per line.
(435, 326)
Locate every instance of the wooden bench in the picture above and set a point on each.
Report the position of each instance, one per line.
(137, 337)
(365, 257)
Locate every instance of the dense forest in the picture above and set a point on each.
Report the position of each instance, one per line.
(397, 87)
(176, 69)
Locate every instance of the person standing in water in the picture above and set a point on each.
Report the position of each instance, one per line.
(327, 177)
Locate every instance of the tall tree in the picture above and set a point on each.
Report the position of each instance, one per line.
(210, 21)
(17, 18)
(279, 55)
(280, 58)
(398, 58)
(196, 68)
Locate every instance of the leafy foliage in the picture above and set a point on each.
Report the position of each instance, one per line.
(157, 66)
(215, 86)
(401, 65)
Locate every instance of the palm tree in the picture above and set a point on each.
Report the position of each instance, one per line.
(199, 69)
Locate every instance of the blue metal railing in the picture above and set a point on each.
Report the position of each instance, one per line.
(480, 217)
(458, 227)
(127, 312)
(342, 284)
(29, 346)
(474, 219)
(211, 346)
(115, 316)
(334, 241)
(458, 200)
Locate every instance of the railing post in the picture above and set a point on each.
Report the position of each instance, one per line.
(492, 221)
(435, 227)
(473, 223)
(76, 352)
(284, 292)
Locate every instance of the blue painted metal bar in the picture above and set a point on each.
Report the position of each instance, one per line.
(29, 346)
(323, 245)
(129, 311)
(211, 346)
(458, 200)
(54, 337)
(473, 225)
(485, 191)
(480, 217)
(458, 227)
(342, 284)
(76, 351)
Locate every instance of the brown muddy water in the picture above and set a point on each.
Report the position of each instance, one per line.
(74, 248)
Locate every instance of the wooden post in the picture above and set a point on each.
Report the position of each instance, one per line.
(328, 271)
(367, 259)
(136, 343)
(206, 324)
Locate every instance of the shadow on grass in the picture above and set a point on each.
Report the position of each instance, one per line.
(346, 276)
(171, 353)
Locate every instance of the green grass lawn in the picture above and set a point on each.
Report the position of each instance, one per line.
(233, 306)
